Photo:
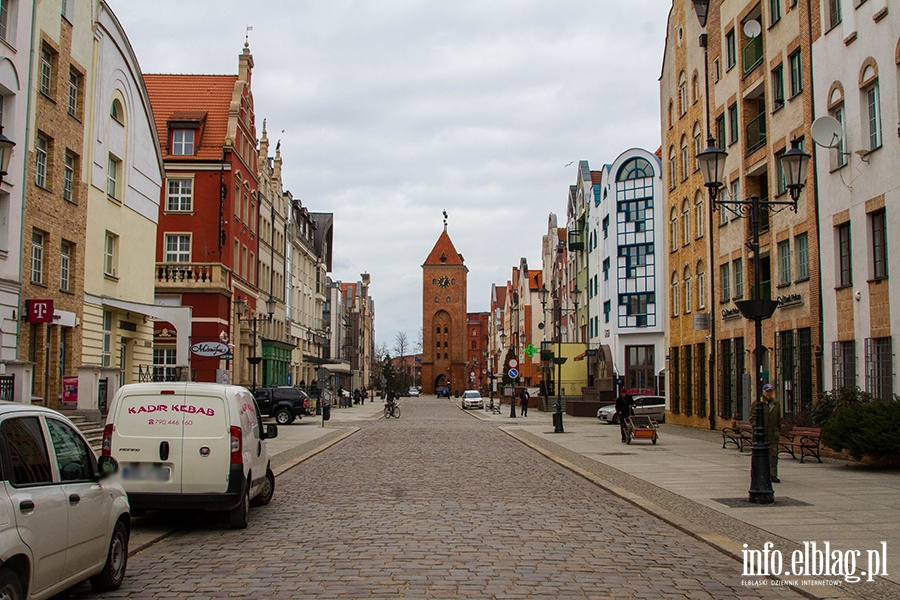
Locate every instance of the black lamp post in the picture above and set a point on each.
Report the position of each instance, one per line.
(6, 148)
(794, 164)
(545, 370)
(240, 306)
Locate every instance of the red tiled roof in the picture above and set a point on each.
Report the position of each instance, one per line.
(444, 248)
(190, 97)
(536, 278)
(595, 177)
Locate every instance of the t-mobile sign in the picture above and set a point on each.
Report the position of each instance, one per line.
(39, 311)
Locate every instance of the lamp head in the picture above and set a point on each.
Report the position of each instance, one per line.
(701, 7)
(794, 163)
(712, 166)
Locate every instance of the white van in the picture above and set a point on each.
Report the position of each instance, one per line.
(190, 445)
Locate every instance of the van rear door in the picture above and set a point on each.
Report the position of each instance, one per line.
(207, 441)
(147, 438)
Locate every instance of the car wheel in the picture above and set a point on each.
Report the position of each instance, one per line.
(10, 585)
(266, 491)
(615, 419)
(110, 578)
(239, 517)
(283, 416)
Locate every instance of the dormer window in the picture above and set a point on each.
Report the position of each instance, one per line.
(183, 142)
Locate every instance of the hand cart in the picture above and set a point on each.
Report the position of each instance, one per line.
(642, 428)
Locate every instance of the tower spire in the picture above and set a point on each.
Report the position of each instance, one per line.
(445, 220)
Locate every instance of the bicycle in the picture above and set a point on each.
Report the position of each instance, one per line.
(391, 410)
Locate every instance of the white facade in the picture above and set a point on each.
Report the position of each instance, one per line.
(14, 57)
(856, 82)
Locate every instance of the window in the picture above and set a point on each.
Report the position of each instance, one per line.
(673, 230)
(778, 87)
(687, 291)
(780, 179)
(796, 73)
(69, 177)
(737, 266)
(844, 263)
(178, 247)
(843, 364)
(682, 95)
(183, 142)
(733, 122)
(801, 245)
(113, 173)
(720, 132)
(717, 70)
(606, 269)
(74, 86)
(106, 349)
(68, 10)
(685, 163)
(686, 223)
(879, 371)
(28, 459)
(607, 306)
(180, 195)
(674, 295)
(873, 115)
(46, 80)
(833, 10)
(784, 262)
(65, 264)
(774, 11)
(701, 286)
(698, 212)
(879, 244)
(37, 256)
(698, 147)
(41, 152)
(164, 361)
(72, 455)
(116, 111)
(4, 20)
(605, 227)
(730, 50)
(672, 170)
(839, 153)
(726, 283)
(110, 254)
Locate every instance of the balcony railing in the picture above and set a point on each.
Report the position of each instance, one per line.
(752, 54)
(576, 240)
(756, 132)
(192, 275)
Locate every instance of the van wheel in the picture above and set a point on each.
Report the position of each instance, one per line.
(284, 417)
(10, 586)
(110, 578)
(266, 490)
(240, 515)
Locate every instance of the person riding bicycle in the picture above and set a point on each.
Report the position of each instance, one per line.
(391, 398)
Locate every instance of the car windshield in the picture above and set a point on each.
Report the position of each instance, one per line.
(471, 394)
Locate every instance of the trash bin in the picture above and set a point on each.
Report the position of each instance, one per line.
(326, 412)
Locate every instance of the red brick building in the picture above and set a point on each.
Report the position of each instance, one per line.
(207, 236)
(477, 351)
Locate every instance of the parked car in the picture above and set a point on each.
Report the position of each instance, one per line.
(650, 406)
(284, 403)
(191, 445)
(443, 391)
(472, 399)
(64, 519)
(413, 392)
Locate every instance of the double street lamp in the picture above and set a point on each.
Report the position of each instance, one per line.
(558, 359)
(794, 164)
(240, 306)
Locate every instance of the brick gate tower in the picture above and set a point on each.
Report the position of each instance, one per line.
(444, 317)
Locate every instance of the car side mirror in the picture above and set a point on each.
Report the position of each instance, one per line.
(271, 432)
(106, 466)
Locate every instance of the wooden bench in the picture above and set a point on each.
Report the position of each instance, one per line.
(805, 440)
(740, 434)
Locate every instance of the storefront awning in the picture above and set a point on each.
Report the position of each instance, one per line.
(338, 368)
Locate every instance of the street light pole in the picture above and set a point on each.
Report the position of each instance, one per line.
(240, 307)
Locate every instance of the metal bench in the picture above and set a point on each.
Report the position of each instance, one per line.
(740, 434)
(805, 440)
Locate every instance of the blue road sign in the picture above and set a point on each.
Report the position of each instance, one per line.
(513, 373)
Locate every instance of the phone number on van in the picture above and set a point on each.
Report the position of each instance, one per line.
(182, 408)
(187, 423)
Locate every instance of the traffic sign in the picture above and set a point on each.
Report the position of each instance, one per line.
(513, 373)
(513, 363)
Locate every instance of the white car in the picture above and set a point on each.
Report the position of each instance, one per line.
(64, 519)
(649, 406)
(191, 445)
(472, 399)
(413, 392)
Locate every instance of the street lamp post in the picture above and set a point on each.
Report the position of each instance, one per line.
(545, 369)
(6, 147)
(794, 163)
(240, 306)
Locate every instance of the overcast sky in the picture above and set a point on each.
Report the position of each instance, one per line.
(391, 111)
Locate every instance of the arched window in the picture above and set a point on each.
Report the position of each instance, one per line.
(682, 94)
(695, 87)
(674, 294)
(673, 230)
(673, 172)
(701, 285)
(686, 222)
(685, 165)
(636, 168)
(116, 111)
(698, 145)
(687, 290)
(871, 104)
(699, 213)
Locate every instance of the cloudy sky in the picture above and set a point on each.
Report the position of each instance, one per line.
(390, 111)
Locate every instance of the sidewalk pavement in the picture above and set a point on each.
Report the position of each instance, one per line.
(688, 479)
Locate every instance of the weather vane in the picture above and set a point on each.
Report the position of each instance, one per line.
(247, 35)
(445, 220)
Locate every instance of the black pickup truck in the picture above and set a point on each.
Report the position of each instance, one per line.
(283, 403)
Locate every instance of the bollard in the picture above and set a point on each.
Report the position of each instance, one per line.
(326, 412)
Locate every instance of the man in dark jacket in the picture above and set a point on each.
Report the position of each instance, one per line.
(624, 409)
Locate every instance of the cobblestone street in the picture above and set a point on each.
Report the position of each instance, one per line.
(437, 504)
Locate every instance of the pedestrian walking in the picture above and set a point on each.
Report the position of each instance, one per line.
(365, 395)
(624, 410)
(524, 396)
(772, 423)
(356, 396)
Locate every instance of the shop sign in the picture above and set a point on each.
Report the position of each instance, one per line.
(210, 349)
(39, 311)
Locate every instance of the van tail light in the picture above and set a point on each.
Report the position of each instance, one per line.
(236, 446)
(106, 448)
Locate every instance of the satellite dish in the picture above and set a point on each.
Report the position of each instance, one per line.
(752, 29)
(827, 131)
